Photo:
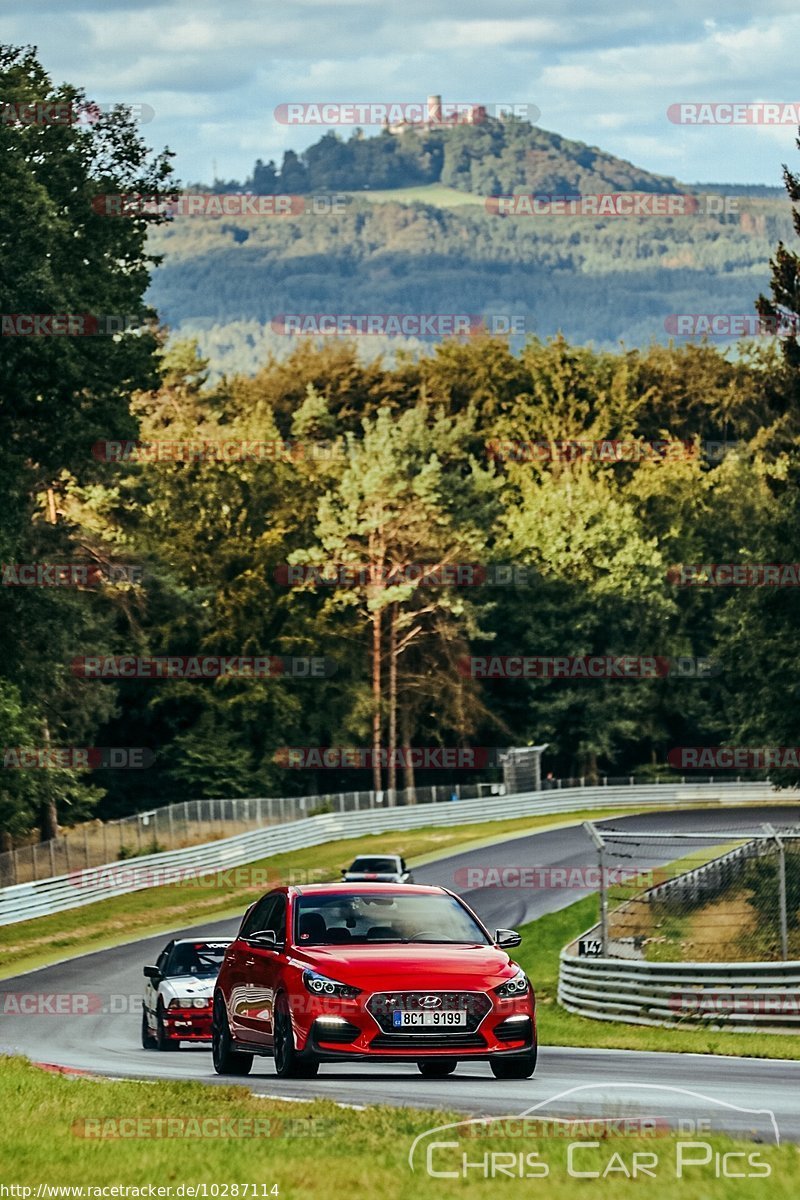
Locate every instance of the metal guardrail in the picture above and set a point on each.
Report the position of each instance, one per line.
(193, 822)
(736, 996)
(23, 901)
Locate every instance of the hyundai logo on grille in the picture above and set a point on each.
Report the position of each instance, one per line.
(429, 1001)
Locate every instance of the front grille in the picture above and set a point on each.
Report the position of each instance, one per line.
(435, 1040)
(514, 1031)
(383, 1004)
(335, 1033)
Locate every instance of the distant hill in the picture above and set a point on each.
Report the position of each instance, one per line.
(493, 158)
(430, 246)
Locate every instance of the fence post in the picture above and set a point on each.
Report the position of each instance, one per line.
(772, 832)
(52, 857)
(599, 845)
(86, 843)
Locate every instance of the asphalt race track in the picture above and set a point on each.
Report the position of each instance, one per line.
(629, 1082)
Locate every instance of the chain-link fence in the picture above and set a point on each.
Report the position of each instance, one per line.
(196, 821)
(721, 896)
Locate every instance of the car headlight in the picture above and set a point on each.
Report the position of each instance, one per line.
(517, 985)
(321, 985)
(189, 1002)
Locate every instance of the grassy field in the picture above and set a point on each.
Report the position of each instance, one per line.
(61, 1131)
(30, 944)
(428, 193)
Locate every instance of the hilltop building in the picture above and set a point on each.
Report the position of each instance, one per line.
(436, 115)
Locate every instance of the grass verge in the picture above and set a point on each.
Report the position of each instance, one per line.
(316, 1150)
(436, 194)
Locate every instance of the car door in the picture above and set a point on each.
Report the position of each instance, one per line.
(151, 986)
(265, 967)
(244, 1000)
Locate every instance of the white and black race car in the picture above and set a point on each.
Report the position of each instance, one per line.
(178, 992)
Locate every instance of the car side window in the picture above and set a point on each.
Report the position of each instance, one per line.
(161, 961)
(276, 921)
(259, 916)
(403, 866)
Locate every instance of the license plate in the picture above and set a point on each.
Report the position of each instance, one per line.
(402, 1019)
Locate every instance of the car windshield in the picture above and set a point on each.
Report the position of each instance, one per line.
(333, 919)
(203, 959)
(376, 866)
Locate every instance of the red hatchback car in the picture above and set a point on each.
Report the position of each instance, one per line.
(371, 972)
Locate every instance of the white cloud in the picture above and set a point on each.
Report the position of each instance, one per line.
(214, 70)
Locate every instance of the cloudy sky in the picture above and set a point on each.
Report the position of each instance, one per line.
(603, 72)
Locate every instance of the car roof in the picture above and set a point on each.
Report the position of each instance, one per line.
(368, 889)
(377, 854)
(200, 938)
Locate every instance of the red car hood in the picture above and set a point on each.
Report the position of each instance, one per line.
(390, 966)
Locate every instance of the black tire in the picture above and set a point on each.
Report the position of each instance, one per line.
(148, 1041)
(521, 1066)
(162, 1041)
(227, 1061)
(288, 1063)
(436, 1068)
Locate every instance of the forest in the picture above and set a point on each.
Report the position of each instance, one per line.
(182, 505)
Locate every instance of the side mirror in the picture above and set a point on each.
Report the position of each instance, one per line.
(264, 939)
(152, 973)
(507, 938)
(345, 870)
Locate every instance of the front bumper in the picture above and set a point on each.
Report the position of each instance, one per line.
(188, 1024)
(362, 1029)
